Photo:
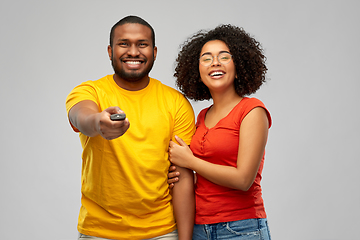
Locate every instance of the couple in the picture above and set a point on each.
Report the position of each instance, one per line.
(125, 194)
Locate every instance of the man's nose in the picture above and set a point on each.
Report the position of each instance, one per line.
(133, 50)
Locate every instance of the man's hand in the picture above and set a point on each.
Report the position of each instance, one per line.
(109, 129)
(173, 176)
(85, 116)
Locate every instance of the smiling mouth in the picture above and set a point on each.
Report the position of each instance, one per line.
(217, 74)
(132, 62)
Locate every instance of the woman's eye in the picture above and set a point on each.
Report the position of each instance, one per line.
(225, 56)
(206, 59)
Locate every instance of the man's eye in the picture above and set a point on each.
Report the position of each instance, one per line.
(143, 45)
(122, 44)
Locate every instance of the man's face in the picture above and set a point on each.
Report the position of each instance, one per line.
(132, 54)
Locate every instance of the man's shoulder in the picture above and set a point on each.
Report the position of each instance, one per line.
(101, 81)
(95, 84)
(165, 88)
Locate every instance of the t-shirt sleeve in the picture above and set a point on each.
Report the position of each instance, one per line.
(254, 103)
(184, 121)
(85, 91)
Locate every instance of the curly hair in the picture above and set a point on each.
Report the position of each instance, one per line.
(246, 52)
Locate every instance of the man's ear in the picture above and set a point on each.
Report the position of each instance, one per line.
(109, 52)
(155, 52)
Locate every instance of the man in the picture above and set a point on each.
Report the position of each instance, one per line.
(124, 189)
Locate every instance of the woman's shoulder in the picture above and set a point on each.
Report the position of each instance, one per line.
(249, 101)
(248, 104)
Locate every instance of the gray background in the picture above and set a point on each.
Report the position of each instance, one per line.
(311, 175)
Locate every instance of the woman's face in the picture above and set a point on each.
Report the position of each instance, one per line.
(217, 75)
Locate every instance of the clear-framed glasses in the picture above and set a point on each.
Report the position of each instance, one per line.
(207, 59)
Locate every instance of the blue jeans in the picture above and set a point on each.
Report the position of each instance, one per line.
(249, 229)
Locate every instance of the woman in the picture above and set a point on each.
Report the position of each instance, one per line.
(227, 150)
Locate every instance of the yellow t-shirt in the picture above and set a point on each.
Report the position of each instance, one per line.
(124, 189)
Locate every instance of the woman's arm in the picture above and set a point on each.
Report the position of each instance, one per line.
(252, 141)
(184, 204)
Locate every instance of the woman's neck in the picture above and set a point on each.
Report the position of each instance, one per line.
(222, 106)
(225, 101)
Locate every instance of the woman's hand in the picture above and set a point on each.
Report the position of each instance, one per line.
(180, 155)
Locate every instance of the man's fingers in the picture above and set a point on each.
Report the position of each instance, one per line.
(173, 174)
(113, 110)
(172, 168)
(172, 180)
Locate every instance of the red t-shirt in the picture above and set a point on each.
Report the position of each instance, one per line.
(219, 145)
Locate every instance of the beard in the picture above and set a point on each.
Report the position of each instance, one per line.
(132, 75)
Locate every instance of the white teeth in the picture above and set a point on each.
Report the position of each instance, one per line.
(216, 74)
(133, 62)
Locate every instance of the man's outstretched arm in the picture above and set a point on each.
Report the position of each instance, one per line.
(85, 116)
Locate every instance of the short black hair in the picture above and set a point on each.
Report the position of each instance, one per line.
(246, 52)
(132, 19)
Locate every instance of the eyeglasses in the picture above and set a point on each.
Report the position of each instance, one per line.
(207, 59)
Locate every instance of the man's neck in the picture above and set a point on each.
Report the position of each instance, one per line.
(132, 85)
